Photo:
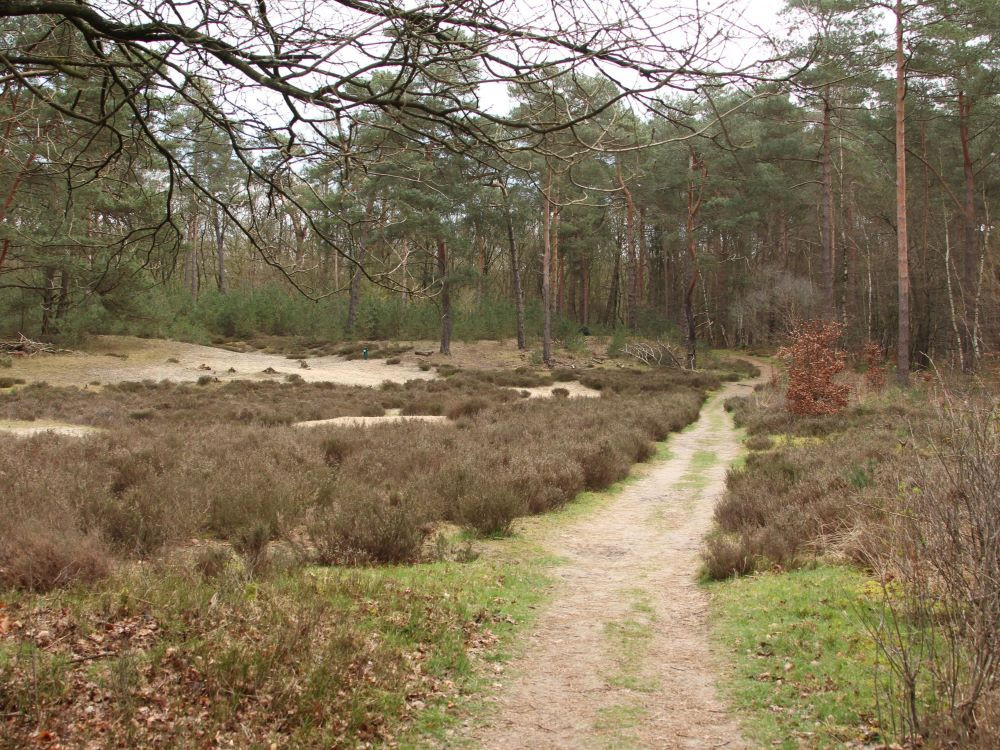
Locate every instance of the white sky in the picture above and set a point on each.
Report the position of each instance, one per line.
(755, 16)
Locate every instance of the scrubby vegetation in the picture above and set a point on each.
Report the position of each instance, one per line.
(196, 570)
(904, 488)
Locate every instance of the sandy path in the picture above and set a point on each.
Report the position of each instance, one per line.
(621, 658)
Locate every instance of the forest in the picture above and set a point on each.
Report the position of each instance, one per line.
(718, 205)
(498, 375)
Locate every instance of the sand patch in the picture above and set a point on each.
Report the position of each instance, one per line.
(368, 421)
(24, 428)
(117, 359)
(576, 390)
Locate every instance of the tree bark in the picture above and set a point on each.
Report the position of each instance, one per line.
(220, 251)
(611, 309)
(631, 275)
(515, 272)
(442, 261)
(902, 238)
(694, 197)
(547, 272)
(48, 297)
(970, 237)
(827, 263)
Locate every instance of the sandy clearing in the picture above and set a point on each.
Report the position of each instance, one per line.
(621, 656)
(147, 359)
(24, 428)
(368, 421)
(576, 390)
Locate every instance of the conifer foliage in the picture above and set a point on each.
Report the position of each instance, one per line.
(813, 361)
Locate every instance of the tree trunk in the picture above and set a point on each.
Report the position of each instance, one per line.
(515, 273)
(631, 276)
(354, 299)
(220, 251)
(827, 263)
(902, 238)
(694, 196)
(585, 291)
(546, 273)
(442, 261)
(970, 236)
(668, 281)
(360, 251)
(48, 298)
(644, 283)
(63, 304)
(611, 309)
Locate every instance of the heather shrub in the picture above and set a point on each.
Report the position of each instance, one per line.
(490, 509)
(41, 555)
(364, 524)
(726, 555)
(466, 408)
(934, 552)
(218, 463)
(759, 443)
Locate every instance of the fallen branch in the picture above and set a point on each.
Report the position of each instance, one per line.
(658, 354)
(26, 347)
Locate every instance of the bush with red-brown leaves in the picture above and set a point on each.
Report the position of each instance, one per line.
(813, 360)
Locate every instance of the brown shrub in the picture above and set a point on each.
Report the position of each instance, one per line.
(367, 525)
(759, 443)
(726, 555)
(466, 408)
(813, 361)
(490, 509)
(41, 555)
(936, 554)
(201, 466)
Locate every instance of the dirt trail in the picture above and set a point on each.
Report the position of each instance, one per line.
(621, 659)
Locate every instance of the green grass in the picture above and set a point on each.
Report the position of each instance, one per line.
(801, 665)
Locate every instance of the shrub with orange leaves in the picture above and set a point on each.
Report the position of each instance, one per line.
(813, 360)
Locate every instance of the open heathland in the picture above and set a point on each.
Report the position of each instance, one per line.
(163, 572)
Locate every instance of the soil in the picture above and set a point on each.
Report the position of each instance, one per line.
(621, 657)
(369, 421)
(116, 359)
(23, 428)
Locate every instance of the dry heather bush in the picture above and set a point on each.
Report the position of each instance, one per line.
(363, 524)
(364, 495)
(759, 443)
(726, 555)
(40, 555)
(936, 550)
(813, 361)
(250, 402)
(490, 510)
(466, 408)
(788, 505)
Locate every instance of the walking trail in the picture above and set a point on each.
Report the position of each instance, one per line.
(621, 658)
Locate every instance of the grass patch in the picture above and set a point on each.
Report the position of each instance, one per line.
(318, 657)
(629, 641)
(802, 665)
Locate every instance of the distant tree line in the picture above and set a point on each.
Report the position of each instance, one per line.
(853, 177)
